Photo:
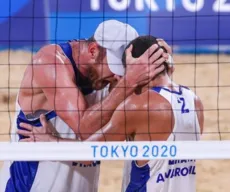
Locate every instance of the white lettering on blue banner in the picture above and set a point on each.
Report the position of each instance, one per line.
(170, 5)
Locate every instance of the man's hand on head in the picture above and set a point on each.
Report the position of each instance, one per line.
(141, 70)
(162, 43)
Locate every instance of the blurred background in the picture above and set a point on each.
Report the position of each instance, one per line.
(197, 25)
(198, 31)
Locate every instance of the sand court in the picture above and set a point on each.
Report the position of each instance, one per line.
(207, 75)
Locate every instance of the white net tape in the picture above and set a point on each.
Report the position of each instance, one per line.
(80, 151)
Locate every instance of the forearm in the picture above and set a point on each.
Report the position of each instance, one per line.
(99, 114)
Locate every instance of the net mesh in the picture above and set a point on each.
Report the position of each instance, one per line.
(191, 34)
(205, 74)
(192, 28)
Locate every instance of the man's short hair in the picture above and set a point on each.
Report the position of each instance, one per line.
(140, 45)
(91, 39)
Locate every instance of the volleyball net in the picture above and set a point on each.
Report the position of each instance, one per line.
(191, 28)
(95, 151)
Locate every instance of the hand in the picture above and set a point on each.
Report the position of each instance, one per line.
(162, 43)
(37, 134)
(167, 55)
(141, 70)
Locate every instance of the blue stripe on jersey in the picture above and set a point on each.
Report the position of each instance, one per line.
(35, 122)
(139, 178)
(179, 92)
(22, 173)
(157, 89)
(82, 82)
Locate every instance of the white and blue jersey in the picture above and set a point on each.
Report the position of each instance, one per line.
(51, 176)
(168, 175)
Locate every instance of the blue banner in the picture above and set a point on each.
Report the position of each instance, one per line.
(189, 25)
(23, 23)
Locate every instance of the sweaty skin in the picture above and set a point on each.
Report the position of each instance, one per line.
(49, 84)
(147, 116)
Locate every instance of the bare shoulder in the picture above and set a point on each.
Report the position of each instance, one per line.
(50, 54)
(50, 49)
(153, 114)
(51, 63)
(148, 100)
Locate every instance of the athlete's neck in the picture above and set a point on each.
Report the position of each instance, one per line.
(162, 80)
(77, 48)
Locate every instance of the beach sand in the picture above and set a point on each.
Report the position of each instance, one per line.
(207, 75)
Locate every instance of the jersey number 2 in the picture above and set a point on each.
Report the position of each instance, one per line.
(181, 100)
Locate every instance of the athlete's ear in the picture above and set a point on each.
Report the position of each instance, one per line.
(93, 50)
